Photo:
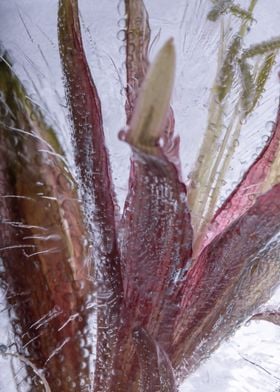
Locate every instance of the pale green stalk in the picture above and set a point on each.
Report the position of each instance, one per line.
(211, 154)
(233, 134)
(149, 116)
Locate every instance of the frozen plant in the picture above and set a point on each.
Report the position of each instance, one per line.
(173, 276)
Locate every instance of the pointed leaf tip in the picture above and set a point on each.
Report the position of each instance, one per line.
(151, 110)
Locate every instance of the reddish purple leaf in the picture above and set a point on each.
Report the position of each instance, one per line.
(156, 247)
(272, 316)
(92, 160)
(233, 275)
(157, 239)
(156, 370)
(157, 233)
(137, 43)
(42, 243)
(244, 196)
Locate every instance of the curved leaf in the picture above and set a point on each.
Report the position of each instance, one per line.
(232, 277)
(93, 163)
(43, 243)
(156, 370)
(252, 184)
(137, 43)
(156, 229)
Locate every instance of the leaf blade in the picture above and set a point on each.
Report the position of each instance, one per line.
(232, 277)
(42, 238)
